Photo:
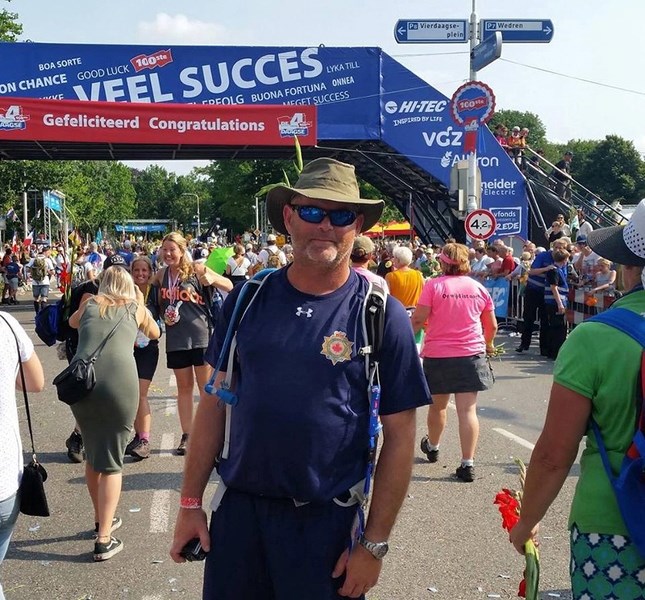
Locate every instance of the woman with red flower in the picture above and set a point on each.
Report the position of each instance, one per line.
(588, 382)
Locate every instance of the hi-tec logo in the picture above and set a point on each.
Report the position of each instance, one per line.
(416, 106)
(308, 313)
(448, 137)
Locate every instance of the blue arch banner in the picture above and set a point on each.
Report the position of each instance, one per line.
(360, 94)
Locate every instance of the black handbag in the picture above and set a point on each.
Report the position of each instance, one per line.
(33, 500)
(77, 380)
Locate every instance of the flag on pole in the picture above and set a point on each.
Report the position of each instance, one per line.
(30, 238)
(14, 242)
(11, 214)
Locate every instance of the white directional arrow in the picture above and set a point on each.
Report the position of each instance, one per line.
(401, 31)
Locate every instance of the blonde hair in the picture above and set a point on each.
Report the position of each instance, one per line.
(605, 262)
(185, 266)
(144, 259)
(457, 252)
(115, 285)
(238, 250)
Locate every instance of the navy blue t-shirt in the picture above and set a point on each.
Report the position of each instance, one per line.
(13, 269)
(300, 427)
(543, 259)
(127, 256)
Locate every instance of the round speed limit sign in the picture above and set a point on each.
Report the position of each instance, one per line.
(480, 224)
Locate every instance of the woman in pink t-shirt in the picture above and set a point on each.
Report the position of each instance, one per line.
(460, 329)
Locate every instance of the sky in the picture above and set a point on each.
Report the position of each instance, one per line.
(594, 40)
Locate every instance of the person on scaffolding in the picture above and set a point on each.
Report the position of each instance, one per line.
(562, 176)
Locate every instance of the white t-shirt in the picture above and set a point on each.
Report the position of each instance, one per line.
(588, 265)
(481, 265)
(49, 266)
(11, 463)
(585, 228)
(273, 249)
(238, 270)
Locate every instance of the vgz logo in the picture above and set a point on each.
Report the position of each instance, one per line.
(448, 137)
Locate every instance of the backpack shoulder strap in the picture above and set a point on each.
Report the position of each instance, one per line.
(373, 322)
(633, 325)
(225, 393)
(625, 320)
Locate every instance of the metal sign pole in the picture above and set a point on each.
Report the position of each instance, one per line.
(471, 189)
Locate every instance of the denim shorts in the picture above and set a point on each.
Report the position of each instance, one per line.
(40, 290)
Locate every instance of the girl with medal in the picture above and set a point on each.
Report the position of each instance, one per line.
(146, 355)
(183, 299)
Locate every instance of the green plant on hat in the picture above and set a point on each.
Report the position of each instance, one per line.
(297, 164)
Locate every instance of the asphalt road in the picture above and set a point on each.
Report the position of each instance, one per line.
(448, 543)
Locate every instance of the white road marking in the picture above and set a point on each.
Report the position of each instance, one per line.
(159, 511)
(171, 407)
(515, 438)
(167, 444)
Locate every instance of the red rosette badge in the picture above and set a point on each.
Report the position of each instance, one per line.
(472, 105)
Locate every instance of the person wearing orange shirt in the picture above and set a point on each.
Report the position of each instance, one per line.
(404, 282)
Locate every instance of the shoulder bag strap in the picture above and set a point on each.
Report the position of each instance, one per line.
(96, 352)
(24, 386)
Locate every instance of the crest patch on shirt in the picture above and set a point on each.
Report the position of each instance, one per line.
(337, 348)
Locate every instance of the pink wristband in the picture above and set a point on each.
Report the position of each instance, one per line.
(190, 503)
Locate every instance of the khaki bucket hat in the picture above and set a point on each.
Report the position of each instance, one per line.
(324, 179)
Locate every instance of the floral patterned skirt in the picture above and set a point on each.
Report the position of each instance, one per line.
(605, 567)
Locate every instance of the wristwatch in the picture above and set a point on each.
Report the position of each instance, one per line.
(377, 549)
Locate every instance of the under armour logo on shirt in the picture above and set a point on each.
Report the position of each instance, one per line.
(308, 313)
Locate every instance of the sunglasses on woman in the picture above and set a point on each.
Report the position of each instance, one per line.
(340, 217)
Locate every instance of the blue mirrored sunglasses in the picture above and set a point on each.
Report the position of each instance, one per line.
(313, 214)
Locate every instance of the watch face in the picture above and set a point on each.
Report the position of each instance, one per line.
(376, 549)
(380, 550)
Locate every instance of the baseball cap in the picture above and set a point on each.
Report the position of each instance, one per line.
(362, 246)
(114, 260)
(271, 238)
(581, 239)
(127, 244)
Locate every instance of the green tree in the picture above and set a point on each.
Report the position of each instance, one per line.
(582, 152)
(10, 27)
(511, 118)
(615, 171)
(99, 193)
(155, 193)
(232, 185)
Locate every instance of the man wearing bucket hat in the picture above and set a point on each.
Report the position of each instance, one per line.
(293, 479)
(587, 380)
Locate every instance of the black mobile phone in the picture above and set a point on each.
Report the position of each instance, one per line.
(193, 550)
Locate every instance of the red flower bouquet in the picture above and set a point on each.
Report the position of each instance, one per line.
(509, 503)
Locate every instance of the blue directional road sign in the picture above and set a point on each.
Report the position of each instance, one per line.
(518, 31)
(486, 52)
(436, 31)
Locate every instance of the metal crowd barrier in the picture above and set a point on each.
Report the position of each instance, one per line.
(582, 304)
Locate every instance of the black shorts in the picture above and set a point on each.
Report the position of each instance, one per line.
(457, 375)
(181, 359)
(147, 359)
